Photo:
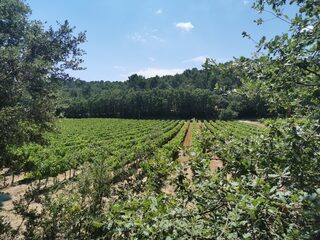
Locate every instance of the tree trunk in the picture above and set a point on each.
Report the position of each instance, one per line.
(12, 180)
(4, 180)
(289, 112)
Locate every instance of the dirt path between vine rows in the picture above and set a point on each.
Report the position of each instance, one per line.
(184, 155)
(188, 139)
(215, 163)
(183, 158)
(255, 123)
(14, 192)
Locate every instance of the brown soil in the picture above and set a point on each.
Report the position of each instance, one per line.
(188, 172)
(14, 192)
(7, 178)
(188, 139)
(183, 156)
(168, 189)
(216, 164)
(130, 179)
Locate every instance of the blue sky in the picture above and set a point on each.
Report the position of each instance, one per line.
(152, 37)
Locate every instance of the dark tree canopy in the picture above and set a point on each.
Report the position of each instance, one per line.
(212, 92)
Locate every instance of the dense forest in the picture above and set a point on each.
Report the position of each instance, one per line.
(212, 92)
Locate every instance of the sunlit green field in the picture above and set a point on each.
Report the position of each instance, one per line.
(79, 141)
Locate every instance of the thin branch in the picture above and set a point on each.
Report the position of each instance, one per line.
(7, 76)
(245, 34)
(310, 71)
(269, 19)
(277, 16)
(306, 84)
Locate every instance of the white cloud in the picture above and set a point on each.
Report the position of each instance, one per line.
(155, 37)
(137, 37)
(197, 60)
(307, 29)
(159, 11)
(185, 26)
(152, 72)
(152, 59)
(245, 2)
(145, 36)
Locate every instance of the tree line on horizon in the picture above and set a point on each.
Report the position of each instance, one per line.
(211, 92)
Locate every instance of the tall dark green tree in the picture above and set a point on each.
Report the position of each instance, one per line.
(32, 57)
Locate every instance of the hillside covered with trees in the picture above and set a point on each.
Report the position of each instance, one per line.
(212, 92)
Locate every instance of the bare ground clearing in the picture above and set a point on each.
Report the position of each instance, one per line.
(216, 164)
(255, 123)
(14, 192)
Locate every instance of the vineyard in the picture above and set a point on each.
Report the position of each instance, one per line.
(144, 148)
(142, 178)
(122, 142)
(181, 146)
(152, 178)
(130, 165)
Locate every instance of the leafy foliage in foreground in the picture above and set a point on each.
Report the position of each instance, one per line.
(258, 195)
(32, 58)
(287, 71)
